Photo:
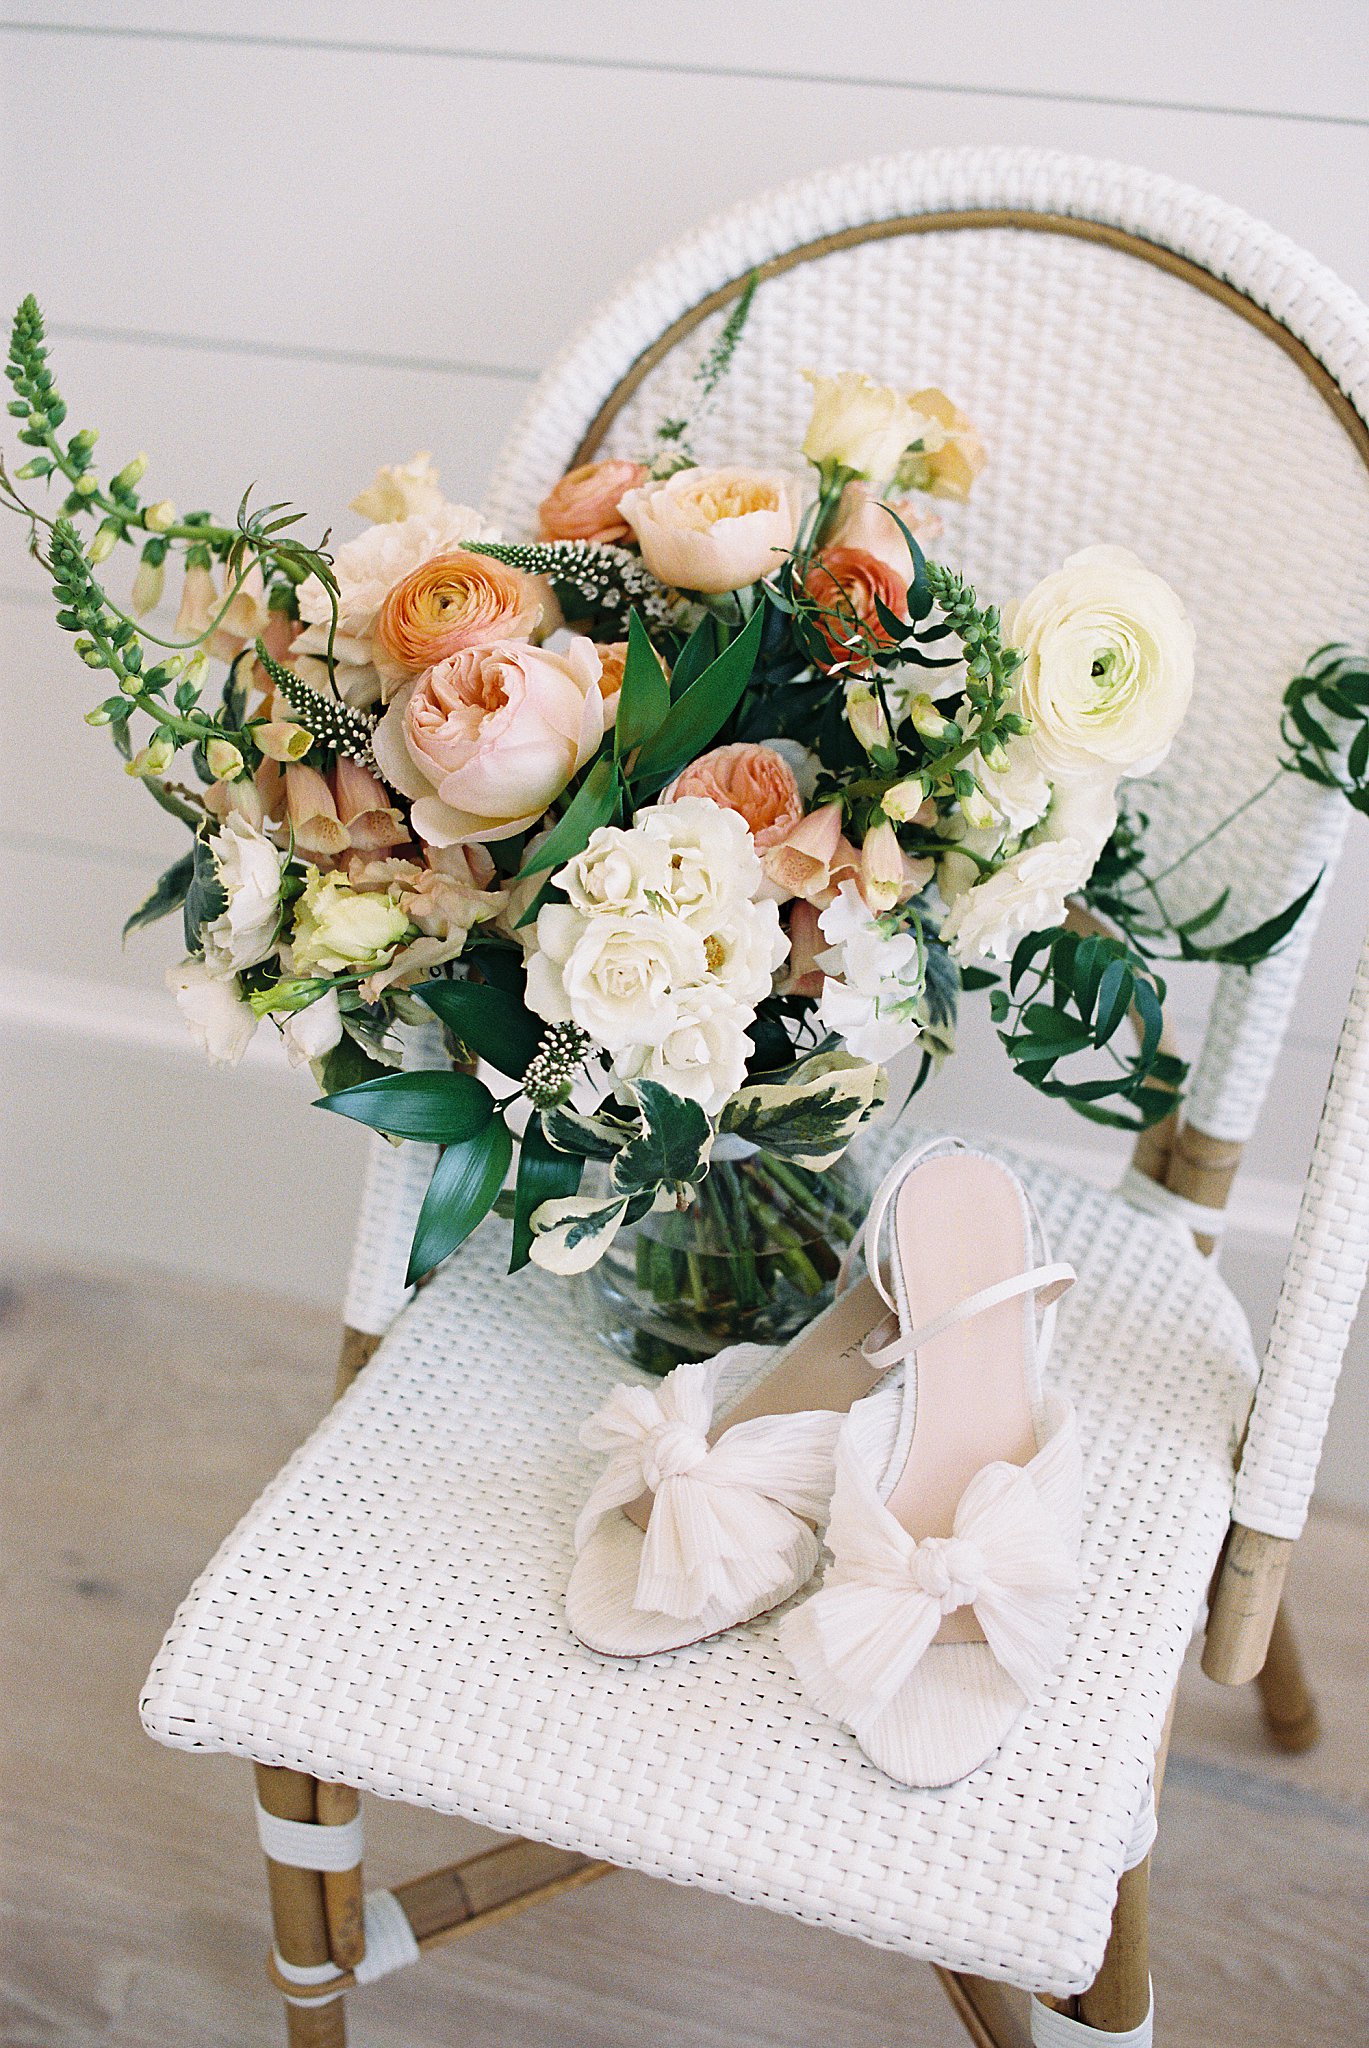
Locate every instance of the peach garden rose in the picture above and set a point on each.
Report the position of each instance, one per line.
(484, 742)
(715, 529)
(752, 780)
(847, 581)
(584, 505)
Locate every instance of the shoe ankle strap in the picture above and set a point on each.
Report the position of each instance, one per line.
(1047, 1283)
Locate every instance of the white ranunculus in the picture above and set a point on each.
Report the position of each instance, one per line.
(311, 1032)
(249, 869)
(618, 870)
(703, 1054)
(1108, 673)
(219, 1020)
(712, 860)
(616, 975)
(873, 979)
(1084, 810)
(1027, 894)
(863, 426)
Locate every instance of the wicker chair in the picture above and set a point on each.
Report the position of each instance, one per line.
(1149, 366)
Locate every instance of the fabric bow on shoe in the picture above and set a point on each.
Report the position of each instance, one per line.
(886, 1595)
(727, 1519)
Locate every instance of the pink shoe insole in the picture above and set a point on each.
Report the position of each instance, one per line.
(960, 1227)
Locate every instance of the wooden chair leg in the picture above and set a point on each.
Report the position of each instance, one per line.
(298, 1914)
(1290, 1710)
(1119, 1996)
(343, 1895)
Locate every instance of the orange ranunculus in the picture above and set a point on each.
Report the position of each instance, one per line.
(447, 604)
(752, 780)
(846, 582)
(584, 505)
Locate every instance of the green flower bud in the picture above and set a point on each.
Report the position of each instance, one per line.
(82, 443)
(131, 473)
(99, 716)
(153, 759)
(905, 799)
(160, 516)
(86, 486)
(926, 719)
(105, 541)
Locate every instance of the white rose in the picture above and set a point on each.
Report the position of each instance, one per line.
(613, 974)
(311, 1032)
(744, 950)
(1027, 894)
(1108, 673)
(618, 870)
(249, 869)
(874, 979)
(702, 1055)
(220, 1021)
(712, 860)
(860, 425)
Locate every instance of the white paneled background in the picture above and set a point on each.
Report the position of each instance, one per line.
(287, 242)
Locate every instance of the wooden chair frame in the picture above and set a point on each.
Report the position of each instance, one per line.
(318, 1916)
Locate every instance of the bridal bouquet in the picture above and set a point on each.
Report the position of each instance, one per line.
(684, 816)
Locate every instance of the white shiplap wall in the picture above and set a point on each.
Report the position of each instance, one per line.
(290, 242)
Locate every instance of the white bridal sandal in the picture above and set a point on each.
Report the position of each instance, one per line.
(956, 1511)
(697, 1524)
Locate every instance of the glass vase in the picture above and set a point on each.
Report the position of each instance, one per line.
(752, 1259)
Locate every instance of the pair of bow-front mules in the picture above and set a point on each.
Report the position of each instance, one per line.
(909, 1421)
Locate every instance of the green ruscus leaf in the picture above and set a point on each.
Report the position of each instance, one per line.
(461, 1194)
(433, 1108)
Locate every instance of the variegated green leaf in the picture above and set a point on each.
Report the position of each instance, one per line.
(813, 1113)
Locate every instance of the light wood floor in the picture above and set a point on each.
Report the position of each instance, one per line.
(138, 1421)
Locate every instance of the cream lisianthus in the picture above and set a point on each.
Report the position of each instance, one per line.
(249, 870)
(220, 1021)
(339, 931)
(858, 425)
(400, 490)
(714, 529)
(711, 858)
(1027, 894)
(1108, 669)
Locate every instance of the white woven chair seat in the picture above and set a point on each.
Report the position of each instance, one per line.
(389, 1614)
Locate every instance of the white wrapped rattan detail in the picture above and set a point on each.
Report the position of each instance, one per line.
(390, 1940)
(1319, 1295)
(1144, 1193)
(1051, 2029)
(390, 1945)
(311, 1844)
(392, 1194)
